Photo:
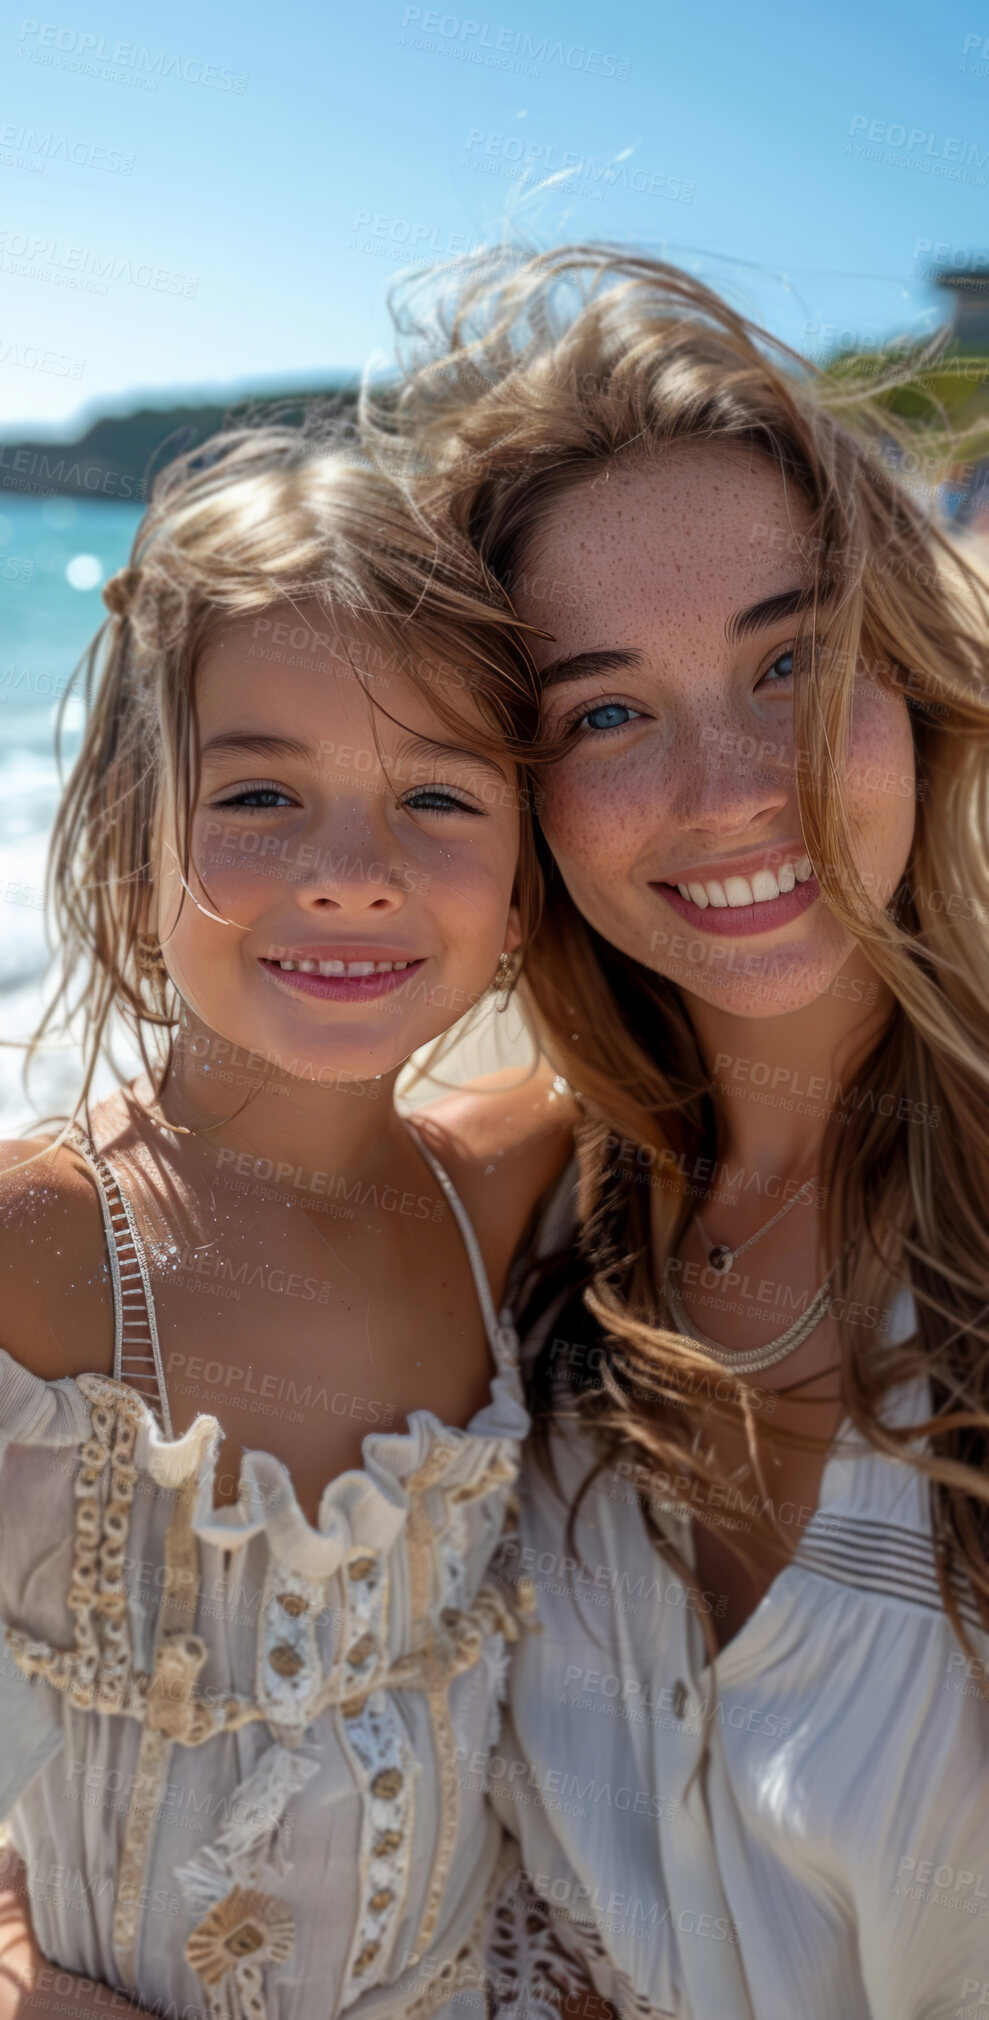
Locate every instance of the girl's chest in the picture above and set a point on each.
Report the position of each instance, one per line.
(306, 1366)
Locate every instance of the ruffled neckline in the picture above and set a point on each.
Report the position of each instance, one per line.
(365, 1506)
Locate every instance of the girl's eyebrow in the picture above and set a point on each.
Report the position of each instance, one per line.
(772, 609)
(233, 742)
(424, 746)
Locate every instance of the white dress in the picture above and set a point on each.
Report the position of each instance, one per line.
(247, 1775)
(831, 1861)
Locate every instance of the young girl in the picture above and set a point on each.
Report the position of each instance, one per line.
(260, 1417)
(763, 964)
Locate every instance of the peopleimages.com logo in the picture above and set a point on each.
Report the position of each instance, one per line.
(475, 40)
(917, 148)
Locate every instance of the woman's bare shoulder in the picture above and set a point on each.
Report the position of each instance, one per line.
(56, 1312)
(505, 1141)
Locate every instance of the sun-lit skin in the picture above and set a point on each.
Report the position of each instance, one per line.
(368, 839)
(659, 556)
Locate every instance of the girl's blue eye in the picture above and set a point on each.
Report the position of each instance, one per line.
(260, 799)
(433, 800)
(783, 666)
(608, 715)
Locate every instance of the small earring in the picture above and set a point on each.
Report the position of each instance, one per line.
(505, 977)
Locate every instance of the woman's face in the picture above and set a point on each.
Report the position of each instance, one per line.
(672, 589)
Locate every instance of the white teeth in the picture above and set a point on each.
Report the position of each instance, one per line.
(738, 891)
(342, 967)
(759, 889)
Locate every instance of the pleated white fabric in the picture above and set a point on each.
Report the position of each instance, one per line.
(830, 1860)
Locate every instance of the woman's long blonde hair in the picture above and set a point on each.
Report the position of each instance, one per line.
(536, 372)
(260, 516)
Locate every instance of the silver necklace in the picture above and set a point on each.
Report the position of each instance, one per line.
(721, 1257)
(748, 1361)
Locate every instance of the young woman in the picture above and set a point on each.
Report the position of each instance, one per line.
(239, 1685)
(751, 1752)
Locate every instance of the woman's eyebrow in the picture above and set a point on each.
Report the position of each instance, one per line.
(584, 665)
(772, 610)
(233, 742)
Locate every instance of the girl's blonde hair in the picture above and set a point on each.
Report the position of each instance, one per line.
(538, 371)
(258, 516)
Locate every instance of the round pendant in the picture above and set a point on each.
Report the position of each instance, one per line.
(721, 1258)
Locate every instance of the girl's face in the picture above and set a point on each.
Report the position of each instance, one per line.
(350, 885)
(672, 590)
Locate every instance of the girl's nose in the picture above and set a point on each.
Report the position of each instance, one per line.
(356, 865)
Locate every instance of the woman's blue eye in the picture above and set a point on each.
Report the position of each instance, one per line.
(783, 666)
(608, 715)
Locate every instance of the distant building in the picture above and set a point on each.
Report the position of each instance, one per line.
(970, 315)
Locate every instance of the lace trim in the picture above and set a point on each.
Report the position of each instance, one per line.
(467, 1969)
(540, 1964)
(174, 1661)
(101, 1660)
(245, 1926)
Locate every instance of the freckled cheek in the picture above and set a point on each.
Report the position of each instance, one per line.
(597, 815)
(881, 782)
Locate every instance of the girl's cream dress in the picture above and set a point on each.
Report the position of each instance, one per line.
(247, 1777)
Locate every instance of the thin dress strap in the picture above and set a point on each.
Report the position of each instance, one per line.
(502, 1336)
(136, 1352)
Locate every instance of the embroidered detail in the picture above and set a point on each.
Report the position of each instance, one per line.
(363, 1641)
(245, 1925)
(381, 1760)
(443, 1541)
(101, 1661)
(289, 1669)
(179, 1660)
(419, 1534)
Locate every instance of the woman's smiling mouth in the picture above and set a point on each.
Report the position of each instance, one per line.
(754, 895)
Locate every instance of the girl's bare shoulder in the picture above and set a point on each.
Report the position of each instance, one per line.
(56, 1309)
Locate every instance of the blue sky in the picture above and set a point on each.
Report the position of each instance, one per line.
(243, 219)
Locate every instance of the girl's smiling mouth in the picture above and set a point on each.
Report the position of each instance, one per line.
(341, 975)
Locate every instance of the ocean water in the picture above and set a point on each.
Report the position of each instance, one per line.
(54, 556)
